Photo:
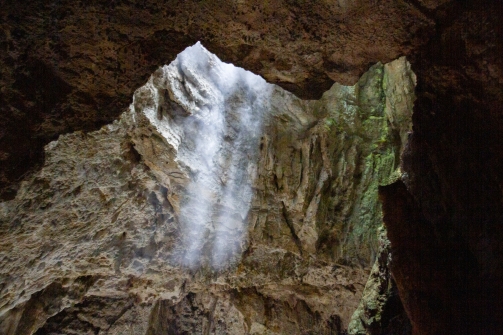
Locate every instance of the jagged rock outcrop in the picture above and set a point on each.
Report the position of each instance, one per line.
(69, 66)
(380, 310)
(96, 240)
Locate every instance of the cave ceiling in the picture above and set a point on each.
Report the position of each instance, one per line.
(73, 66)
(68, 66)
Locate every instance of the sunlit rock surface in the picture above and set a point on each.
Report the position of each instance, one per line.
(99, 240)
(68, 66)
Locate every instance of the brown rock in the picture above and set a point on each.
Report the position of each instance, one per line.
(115, 206)
(57, 59)
(68, 67)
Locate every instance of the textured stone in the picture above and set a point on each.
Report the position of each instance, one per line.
(445, 228)
(68, 66)
(380, 310)
(107, 206)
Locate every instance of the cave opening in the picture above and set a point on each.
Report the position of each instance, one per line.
(211, 113)
(217, 191)
(198, 102)
(81, 257)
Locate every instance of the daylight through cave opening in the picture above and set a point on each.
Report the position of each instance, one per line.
(210, 103)
(215, 193)
(216, 116)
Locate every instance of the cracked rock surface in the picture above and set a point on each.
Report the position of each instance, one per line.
(89, 244)
(68, 66)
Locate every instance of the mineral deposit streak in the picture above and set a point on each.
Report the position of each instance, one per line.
(220, 132)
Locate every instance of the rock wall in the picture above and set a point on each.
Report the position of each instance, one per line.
(91, 243)
(380, 310)
(68, 66)
(445, 223)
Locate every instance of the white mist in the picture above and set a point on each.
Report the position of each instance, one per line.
(214, 120)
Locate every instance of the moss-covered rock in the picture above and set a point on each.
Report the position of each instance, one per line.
(110, 205)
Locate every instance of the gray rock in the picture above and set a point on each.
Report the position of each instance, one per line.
(217, 204)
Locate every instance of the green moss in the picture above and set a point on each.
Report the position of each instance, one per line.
(328, 123)
(365, 142)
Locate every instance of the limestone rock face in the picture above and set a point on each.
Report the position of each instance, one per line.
(380, 310)
(217, 204)
(68, 66)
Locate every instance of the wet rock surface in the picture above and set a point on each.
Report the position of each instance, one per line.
(102, 222)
